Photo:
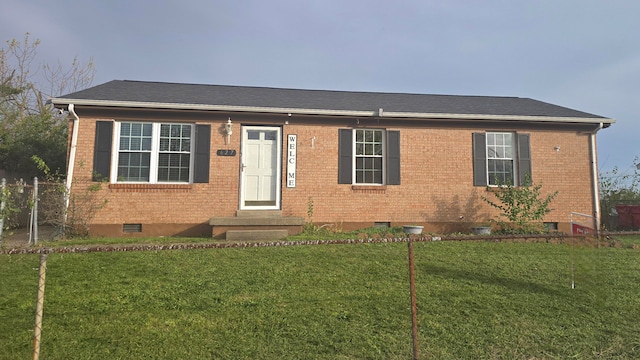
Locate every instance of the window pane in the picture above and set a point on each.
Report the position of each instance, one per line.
(508, 139)
(491, 139)
(164, 144)
(253, 135)
(124, 143)
(508, 152)
(125, 129)
(174, 145)
(146, 144)
(377, 164)
(368, 149)
(164, 130)
(186, 145)
(136, 129)
(377, 149)
(136, 144)
(270, 135)
(368, 136)
(175, 131)
(378, 177)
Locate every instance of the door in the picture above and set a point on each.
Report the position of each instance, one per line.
(260, 167)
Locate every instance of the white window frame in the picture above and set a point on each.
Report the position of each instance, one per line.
(355, 156)
(154, 153)
(502, 155)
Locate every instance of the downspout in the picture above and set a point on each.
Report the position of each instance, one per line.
(72, 157)
(595, 180)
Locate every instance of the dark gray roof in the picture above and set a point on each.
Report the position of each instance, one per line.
(118, 91)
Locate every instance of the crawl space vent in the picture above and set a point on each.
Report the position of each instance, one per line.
(131, 228)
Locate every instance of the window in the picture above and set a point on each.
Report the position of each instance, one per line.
(501, 158)
(500, 155)
(369, 166)
(369, 157)
(153, 152)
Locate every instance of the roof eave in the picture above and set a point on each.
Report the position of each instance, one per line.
(328, 112)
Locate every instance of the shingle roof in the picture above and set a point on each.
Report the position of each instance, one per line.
(125, 92)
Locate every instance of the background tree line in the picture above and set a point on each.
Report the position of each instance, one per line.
(28, 125)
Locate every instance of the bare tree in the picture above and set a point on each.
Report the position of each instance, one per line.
(28, 126)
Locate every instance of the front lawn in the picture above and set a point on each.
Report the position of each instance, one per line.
(476, 300)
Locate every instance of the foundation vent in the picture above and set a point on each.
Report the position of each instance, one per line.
(131, 228)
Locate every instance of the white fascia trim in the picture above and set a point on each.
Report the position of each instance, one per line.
(300, 111)
(499, 117)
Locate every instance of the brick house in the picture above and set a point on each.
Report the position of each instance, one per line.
(189, 159)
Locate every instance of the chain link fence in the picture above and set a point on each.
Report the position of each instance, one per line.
(26, 207)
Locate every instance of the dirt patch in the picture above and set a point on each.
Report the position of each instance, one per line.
(18, 238)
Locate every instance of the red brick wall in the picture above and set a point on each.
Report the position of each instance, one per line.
(436, 181)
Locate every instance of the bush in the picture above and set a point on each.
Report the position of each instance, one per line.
(522, 207)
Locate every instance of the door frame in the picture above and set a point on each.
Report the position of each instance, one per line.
(277, 183)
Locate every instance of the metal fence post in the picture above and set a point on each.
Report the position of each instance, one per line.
(2, 188)
(35, 210)
(414, 305)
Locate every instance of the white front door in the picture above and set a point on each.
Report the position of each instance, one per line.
(260, 167)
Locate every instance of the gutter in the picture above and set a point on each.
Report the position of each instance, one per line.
(72, 157)
(330, 112)
(595, 180)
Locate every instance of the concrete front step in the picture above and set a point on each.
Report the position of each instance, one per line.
(255, 225)
(256, 235)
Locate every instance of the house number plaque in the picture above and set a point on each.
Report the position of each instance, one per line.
(222, 152)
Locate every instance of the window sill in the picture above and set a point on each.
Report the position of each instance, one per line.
(147, 188)
(369, 189)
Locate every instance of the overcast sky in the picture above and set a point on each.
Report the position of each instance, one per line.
(582, 54)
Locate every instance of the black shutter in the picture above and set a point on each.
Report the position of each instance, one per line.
(345, 156)
(393, 157)
(524, 159)
(202, 154)
(479, 159)
(102, 151)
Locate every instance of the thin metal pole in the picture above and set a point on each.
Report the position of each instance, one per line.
(573, 261)
(2, 188)
(35, 210)
(39, 306)
(414, 305)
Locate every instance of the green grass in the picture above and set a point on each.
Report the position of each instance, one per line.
(476, 300)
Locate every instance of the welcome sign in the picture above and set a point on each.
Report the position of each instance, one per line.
(292, 143)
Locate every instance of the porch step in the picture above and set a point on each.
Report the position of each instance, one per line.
(255, 225)
(256, 235)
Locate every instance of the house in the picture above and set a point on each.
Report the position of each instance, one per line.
(237, 162)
